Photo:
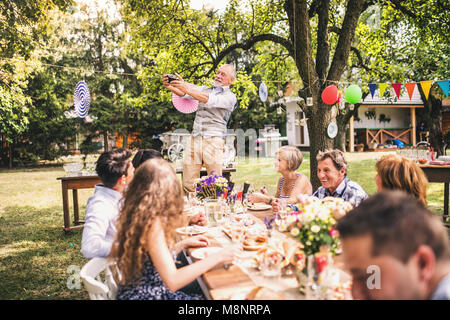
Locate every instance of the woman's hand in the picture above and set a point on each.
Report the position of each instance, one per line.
(198, 219)
(257, 197)
(197, 241)
(275, 203)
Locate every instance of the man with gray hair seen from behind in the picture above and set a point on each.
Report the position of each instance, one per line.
(395, 248)
(207, 142)
(332, 173)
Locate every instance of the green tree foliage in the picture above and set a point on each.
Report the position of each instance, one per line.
(408, 42)
(200, 41)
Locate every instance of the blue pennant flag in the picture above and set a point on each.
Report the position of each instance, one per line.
(372, 87)
(444, 84)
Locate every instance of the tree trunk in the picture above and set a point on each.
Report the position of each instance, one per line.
(433, 119)
(318, 137)
(10, 155)
(105, 141)
(340, 140)
(125, 140)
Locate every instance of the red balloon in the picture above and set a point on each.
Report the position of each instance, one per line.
(330, 94)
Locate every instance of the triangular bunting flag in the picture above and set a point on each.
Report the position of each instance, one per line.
(382, 87)
(397, 88)
(410, 88)
(444, 84)
(372, 87)
(426, 85)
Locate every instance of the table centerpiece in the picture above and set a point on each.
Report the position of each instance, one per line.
(211, 187)
(312, 221)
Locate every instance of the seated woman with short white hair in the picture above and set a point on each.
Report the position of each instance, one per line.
(291, 183)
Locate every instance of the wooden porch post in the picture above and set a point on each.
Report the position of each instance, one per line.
(351, 140)
(413, 125)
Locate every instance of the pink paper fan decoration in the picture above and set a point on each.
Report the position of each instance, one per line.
(185, 105)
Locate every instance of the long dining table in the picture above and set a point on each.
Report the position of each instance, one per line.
(226, 282)
(439, 174)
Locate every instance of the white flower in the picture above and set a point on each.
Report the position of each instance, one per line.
(282, 227)
(323, 214)
(315, 228)
(308, 217)
(290, 219)
(295, 232)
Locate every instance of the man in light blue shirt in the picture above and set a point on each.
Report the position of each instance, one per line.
(332, 173)
(206, 146)
(115, 171)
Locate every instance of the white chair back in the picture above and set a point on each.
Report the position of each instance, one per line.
(91, 275)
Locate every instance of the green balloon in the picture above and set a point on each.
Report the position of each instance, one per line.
(353, 94)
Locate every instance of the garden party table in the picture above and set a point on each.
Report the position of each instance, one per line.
(236, 281)
(439, 173)
(75, 183)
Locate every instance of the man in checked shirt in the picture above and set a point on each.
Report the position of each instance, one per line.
(207, 141)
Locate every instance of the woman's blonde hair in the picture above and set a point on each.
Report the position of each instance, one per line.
(154, 192)
(399, 173)
(292, 155)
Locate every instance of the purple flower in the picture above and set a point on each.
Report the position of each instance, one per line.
(269, 222)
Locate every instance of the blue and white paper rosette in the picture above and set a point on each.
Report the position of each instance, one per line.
(263, 92)
(332, 129)
(82, 99)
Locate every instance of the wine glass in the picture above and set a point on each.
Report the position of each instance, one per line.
(245, 202)
(192, 198)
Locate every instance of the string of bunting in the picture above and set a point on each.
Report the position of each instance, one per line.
(426, 86)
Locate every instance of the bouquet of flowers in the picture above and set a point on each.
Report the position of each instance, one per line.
(212, 186)
(313, 222)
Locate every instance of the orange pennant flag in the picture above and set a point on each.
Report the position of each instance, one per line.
(382, 87)
(426, 86)
(410, 88)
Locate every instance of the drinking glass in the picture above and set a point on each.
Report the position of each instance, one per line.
(192, 198)
(282, 207)
(237, 235)
(245, 202)
(313, 287)
(210, 205)
(270, 268)
(219, 212)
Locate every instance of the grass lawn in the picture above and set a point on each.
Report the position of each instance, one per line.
(35, 253)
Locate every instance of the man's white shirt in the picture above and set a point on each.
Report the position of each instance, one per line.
(100, 230)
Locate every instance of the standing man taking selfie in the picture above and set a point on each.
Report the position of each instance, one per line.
(207, 142)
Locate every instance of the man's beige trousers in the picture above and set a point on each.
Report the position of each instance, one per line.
(207, 152)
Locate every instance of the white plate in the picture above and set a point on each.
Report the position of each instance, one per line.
(240, 295)
(191, 230)
(202, 253)
(259, 207)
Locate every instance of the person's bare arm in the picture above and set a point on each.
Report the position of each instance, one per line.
(182, 87)
(302, 186)
(174, 278)
(170, 87)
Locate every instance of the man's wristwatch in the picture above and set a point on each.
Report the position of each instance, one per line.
(270, 201)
